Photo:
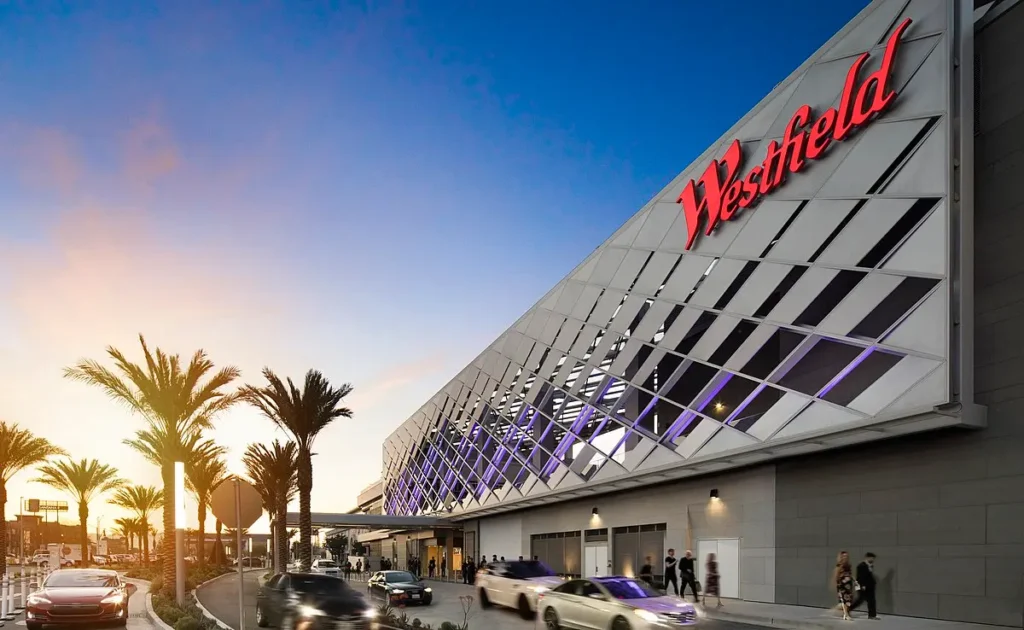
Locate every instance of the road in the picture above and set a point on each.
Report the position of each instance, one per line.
(221, 599)
(138, 619)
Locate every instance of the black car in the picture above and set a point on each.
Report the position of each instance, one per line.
(309, 601)
(399, 588)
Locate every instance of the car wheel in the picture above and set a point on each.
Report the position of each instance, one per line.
(620, 623)
(261, 617)
(485, 602)
(524, 608)
(551, 619)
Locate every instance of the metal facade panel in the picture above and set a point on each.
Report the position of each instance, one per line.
(639, 330)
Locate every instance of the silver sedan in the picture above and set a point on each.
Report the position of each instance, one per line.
(613, 603)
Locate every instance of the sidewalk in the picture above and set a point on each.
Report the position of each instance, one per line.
(805, 618)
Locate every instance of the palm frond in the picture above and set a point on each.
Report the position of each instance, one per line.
(20, 449)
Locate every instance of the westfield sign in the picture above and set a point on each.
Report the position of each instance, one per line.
(725, 193)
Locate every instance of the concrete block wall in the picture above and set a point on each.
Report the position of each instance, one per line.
(945, 512)
(746, 511)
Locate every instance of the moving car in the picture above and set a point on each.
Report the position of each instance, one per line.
(79, 596)
(326, 567)
(399, 588)
(515, 584)
(310, 601)
(615, 603)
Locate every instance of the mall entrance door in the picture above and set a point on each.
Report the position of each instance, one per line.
(595, 553)
(727, 553)
(595, 560)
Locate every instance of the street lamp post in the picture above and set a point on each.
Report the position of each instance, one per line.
(179, 532)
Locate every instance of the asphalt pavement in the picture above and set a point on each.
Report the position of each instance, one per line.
(221, 599)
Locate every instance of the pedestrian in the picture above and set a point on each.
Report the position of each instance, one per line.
(866, 584)
(688, 576)
(711, 584)
(444, 567)
(671, 563)
(842, 581)
(647, 572)
(359, 567)
(431, 566)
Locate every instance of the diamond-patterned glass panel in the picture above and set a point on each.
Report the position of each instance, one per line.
(822, 306)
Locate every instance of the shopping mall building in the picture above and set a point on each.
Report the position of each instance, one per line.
(811, 340)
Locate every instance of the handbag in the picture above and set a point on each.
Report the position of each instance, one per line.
(699, 588)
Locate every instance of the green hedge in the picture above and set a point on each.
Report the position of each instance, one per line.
(187, 617)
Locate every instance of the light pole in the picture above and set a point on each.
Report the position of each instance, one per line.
(179, 532)
(21, 532)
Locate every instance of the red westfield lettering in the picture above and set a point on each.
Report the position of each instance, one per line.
(725, 193)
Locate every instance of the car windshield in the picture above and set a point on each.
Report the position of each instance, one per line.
(626, 588)
(318, 584)
(327, 563)
(399, 577)
(76, 579)
(529, 569)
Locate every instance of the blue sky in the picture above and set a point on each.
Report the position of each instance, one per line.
(376, 190)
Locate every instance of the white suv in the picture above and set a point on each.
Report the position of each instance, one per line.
(326, 567)
(515, 584)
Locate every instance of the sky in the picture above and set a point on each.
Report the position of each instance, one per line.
(375, 190)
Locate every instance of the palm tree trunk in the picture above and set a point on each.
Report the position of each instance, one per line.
(305, 519)
(145, 542)
(3, 528)
(201, 546)
(83, 530)
(218, 546)
(167, 564)
(281, 531)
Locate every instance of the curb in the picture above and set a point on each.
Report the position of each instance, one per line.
(206, 613)
(149, 603)
(770, 622)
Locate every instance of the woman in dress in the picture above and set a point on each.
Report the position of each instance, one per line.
(843, 580)
(711, 581)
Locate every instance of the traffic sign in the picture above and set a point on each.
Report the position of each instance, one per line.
(240, 515)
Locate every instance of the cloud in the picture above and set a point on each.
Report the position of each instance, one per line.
(47, 159)
(378, 389)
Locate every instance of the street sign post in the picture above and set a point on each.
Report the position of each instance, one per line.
(238, 505)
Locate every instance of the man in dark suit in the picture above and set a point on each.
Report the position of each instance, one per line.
(866, 581)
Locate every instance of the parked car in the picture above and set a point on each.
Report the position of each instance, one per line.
(515, 584)
(79, 596)
(309, 601)
(618, 603)
(399, 588)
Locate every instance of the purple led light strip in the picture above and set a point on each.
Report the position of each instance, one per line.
(845, 371)
(643, 414)
(734, 416)
(686, 418)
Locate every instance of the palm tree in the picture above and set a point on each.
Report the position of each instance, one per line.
(84, 480)
(126, 528)
(206, 472)
(19, 449)
(142, 500)
(272, 472)
(303, 414)
(178, 401)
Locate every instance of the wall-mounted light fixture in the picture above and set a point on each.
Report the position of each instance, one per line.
(594, 511)
(714, 493)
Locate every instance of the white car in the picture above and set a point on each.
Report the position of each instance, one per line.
(613, 603)
(515, 584)
(325, 567)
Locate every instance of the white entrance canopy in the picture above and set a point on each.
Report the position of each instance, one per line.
(373, 521)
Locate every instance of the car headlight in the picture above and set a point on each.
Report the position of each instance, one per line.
(397, 591)
(539, 589)
(369, 613)
(647, 615)
(428, 590)
(309, 611)
(36, 600)
(116, 598)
